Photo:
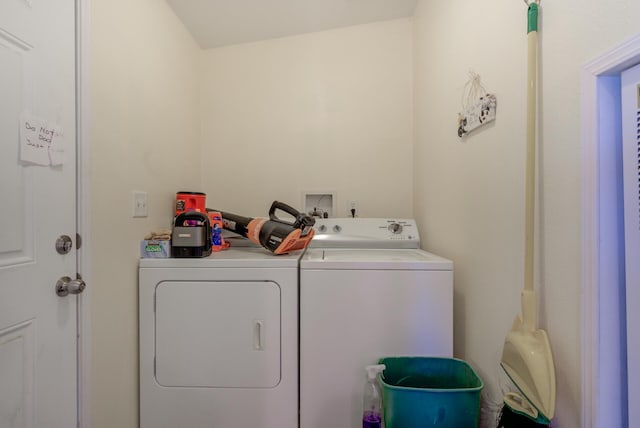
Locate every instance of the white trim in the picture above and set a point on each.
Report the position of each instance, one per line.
(616, 59)
(609, 63)
(83, 210)
(590, 250)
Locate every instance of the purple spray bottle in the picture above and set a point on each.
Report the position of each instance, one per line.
(372, 402)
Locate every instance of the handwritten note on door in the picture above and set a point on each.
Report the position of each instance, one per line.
(41, 141)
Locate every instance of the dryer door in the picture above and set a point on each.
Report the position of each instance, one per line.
(217, 334)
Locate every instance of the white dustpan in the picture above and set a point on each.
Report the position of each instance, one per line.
(526, 356)
(527, 360)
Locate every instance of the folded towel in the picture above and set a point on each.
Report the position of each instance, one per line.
(159, 235)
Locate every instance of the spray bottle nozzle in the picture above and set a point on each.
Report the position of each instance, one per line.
(373, 370)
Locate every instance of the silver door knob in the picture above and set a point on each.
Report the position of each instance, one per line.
(66, 286)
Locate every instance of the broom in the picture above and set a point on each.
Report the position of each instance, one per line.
(526, 357)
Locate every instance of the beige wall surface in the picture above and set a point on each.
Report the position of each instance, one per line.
(144, 119)
(326, 111)
(321, 111)
(333, 111)
(469, 193)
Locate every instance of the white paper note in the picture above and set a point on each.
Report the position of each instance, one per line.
(41, 141)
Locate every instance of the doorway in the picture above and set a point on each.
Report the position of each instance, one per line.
(604, 391)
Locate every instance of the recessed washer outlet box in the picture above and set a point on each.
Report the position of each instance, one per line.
(319, 204)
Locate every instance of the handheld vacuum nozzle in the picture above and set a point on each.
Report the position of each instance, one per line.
(273, 233)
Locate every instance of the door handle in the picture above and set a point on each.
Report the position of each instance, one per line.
(258, 335)
(66, 286)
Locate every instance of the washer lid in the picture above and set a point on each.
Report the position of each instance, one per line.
(380, 259)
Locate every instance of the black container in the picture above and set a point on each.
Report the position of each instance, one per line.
(191, 235)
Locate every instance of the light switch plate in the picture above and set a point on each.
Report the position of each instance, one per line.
(140, 204)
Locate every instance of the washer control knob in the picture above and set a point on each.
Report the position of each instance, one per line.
(337, 228)
(395, 228)
(322, 228)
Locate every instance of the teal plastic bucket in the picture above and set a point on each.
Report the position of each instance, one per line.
(421, 392)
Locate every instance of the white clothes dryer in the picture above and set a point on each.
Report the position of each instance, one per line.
(366, 292)
(219, 340)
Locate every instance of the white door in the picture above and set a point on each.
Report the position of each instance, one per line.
(631, 178)
(38, 329)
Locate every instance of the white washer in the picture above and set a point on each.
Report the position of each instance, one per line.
(366, 291)
(219, 341)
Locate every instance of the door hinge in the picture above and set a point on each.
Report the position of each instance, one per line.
(78, 241)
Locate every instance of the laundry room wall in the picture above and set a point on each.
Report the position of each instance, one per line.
(468, 197)
(144, 136)
(321, 112)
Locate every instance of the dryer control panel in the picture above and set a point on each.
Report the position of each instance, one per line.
(365, 233)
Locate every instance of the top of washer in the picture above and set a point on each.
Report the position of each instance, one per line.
(385, 233)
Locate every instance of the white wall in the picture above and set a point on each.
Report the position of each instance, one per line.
(145, 136)
(469, 194)
(333, 111)
(321, 111)
(324, 110)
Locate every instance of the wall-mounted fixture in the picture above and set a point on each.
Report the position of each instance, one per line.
(319, 204)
